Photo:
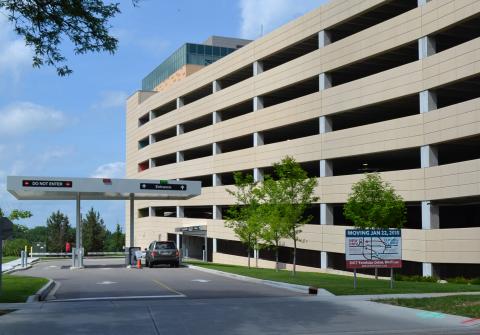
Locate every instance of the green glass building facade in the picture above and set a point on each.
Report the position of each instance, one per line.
(189, 53)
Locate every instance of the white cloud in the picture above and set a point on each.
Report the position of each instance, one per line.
(110, 170)
(23, 117)
(111, 99)
(271, 14)
(15, 56)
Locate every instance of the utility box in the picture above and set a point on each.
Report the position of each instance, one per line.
(130, 258)
(39, 247)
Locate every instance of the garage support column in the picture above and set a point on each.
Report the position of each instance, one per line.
(216, 86)
(132, 223)
(325, 81)
(257, 174)
(216, 179)
(216, 148)
(324, 38)
(178, 241)
(326, 218)
(216, 117)
(180, 212)
(217, 212)
(205, 250)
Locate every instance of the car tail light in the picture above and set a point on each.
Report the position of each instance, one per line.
(177, 253)
(154, 253)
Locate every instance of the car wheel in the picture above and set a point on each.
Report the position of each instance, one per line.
(177, 264)
(150, 265)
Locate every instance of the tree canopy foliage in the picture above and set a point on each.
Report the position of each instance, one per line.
(267, 212)
(373, 203)
(242, 217)
(44, 25)
(94, 232)
(59, 232)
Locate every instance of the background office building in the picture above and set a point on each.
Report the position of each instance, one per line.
(353, 86)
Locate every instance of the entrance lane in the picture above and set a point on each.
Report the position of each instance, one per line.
(108, 279)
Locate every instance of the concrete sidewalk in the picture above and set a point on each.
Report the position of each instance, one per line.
(17, 264)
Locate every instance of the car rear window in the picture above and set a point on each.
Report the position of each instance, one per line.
(165, 245)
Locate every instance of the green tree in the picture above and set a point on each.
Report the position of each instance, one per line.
(293, 191)
(93, 232)
(242, 218)
(373, 203)
(16, 214)
(58, 232)
(44, 25)
(39, 234)
(115, 240)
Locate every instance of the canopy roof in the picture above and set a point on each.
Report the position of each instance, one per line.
(64, 188)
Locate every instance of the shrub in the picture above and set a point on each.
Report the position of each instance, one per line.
(15, 246)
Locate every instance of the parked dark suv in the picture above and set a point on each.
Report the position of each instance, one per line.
(162, 252)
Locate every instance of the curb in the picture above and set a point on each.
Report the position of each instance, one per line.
(287, 286)
(18, 268)
(42, 293)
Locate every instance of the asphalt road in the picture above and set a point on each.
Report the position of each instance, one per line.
(186, 301)
(109, 279)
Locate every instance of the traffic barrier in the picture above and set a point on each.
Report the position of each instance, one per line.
(139, 263)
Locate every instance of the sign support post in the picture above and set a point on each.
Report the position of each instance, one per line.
(355, 278)
(391, 277)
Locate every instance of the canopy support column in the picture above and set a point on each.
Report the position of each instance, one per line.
(77, 253)
(132, 227)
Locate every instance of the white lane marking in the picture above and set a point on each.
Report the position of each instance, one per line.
(201, 280)
(123, 298)
(106, 282)
(52, 266)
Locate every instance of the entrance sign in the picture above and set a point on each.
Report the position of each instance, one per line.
(163, 186)
(373, 248)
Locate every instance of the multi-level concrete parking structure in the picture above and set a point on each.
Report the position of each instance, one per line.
(353, 86)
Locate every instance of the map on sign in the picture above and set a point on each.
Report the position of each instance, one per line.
(373, 248)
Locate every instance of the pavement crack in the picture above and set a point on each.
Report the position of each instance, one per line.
(157, 331)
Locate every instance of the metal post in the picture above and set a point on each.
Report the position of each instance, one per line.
(22, 258)
(132, 212)
(74, 252)
(391, 277)
(78, 237)
(355, 278)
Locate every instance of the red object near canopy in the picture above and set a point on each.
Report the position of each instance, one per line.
(68, 247)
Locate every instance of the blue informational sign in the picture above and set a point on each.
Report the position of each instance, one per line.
(373, 248)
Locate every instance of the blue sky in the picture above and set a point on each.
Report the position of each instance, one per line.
(75, 126)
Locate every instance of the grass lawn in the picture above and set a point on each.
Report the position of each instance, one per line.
(18, 288)
(464, 305)
(6, 259)
(340, 285)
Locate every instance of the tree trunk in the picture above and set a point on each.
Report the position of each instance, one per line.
(294, 255)
(249, 257)
(276, 256)
(256, 258)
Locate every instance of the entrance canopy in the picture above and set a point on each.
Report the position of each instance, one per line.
(60, 188)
